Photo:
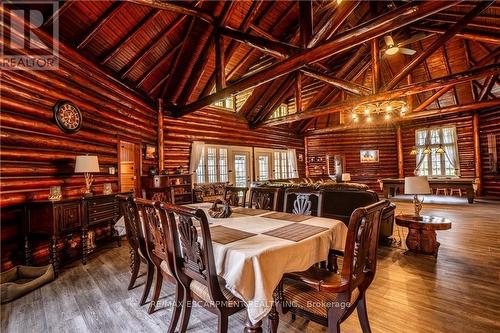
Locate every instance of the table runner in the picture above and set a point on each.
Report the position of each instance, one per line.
(287, 217)
(295, 232)
(249, 211)
(252, 267)
(224, 235)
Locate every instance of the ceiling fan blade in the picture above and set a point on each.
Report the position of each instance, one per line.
(413, 39)
(388, 40)
(406, 51)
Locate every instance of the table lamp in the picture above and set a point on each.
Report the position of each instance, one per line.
(417, 185)
(346, 177)
(87, 164)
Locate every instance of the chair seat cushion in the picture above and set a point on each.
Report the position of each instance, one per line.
(300, 295)
(201, 290)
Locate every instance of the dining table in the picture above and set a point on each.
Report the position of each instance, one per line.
(254, 248)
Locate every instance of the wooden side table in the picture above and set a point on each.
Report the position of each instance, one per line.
(422, 232)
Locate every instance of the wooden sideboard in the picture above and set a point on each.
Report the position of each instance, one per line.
(58, 220)
(391, 186)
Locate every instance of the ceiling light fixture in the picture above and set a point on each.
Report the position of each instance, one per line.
(379, 110)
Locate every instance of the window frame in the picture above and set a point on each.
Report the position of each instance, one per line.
(427, 168)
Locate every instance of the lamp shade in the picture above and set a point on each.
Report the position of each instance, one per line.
(346, 177)
(86, 163)
(417, 185)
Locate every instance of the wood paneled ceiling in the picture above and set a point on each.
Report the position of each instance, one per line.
(316, 55)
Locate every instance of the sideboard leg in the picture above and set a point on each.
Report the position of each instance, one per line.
(27, 251)
(85, 245)
(54, 256)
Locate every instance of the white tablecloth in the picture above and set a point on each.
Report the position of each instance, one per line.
(253, 267)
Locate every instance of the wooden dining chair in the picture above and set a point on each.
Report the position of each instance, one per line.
(194, 266)
(136, 239)
(232, 195)
(157, 246)
(329, 298)
(264, 198)
(303, 202)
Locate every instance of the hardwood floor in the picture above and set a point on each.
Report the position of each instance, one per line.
(458, 292)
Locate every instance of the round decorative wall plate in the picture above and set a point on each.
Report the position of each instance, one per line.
(67, 116)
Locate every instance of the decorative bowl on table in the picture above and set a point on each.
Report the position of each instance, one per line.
(220, 209)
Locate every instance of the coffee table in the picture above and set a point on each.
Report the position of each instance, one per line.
(422, 236)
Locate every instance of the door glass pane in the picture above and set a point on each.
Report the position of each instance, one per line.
(263, 167)
(435, 162)
(211, 165)
(240, 170)
(277, 169)
(223, 165)
(284, 165)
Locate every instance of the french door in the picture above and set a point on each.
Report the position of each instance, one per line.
(241, 172)
(263, 165)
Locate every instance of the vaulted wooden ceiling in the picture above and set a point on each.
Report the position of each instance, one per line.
(321, 56)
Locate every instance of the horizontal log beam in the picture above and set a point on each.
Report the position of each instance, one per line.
(413, 116)
(339, 83)
(480, 36)
(401, 92)
(177, 8)
(395, 19)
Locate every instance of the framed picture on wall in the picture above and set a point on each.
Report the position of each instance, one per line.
(368, 156)
(150, 152)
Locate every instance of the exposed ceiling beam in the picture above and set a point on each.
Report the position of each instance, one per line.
(59, 11)
(130, 35)
(482, 36)
(439, 42)
(488, 85)
(330, 23)
(413, 116)
(266, 45)
(298, 92)
(100, 23)
(305, 22)
(176, 7)
(152, 44)
(158, 64)
(220, 64)
(375, 55)
(401, 92)
(339, 83)
(395, 19)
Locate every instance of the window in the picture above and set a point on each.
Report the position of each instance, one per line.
(281, 164)
(213, 165)
(437, 152)
(263, 167)
(226, 103)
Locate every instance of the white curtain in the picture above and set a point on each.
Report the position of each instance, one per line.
(420, 152)
(196, 152)
(292, 162)
(451, 149)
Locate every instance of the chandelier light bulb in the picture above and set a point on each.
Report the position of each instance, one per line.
(367, 111)
(388, 108)
(369, 119)
(387, 116)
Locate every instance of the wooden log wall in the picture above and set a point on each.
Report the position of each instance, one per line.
(36, 154)
(489, 123)
(216, 126)
(349, 144)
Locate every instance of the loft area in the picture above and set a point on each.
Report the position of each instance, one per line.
(281, 166)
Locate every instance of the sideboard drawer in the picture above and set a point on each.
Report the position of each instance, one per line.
(70, 216)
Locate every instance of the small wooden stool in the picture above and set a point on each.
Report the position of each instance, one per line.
(456, 190)
(444, 190)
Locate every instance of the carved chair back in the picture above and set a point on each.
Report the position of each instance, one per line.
(360, 255)
(304, 202)
(133, 227)
(236, 195)
(264, 198)
(156, 237)
(192, 249)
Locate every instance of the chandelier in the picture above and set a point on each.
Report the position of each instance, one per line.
(385, 110)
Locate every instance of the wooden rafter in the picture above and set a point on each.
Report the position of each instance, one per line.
(178, 8)
(305, 22)
(488, 85)
(220, 65)
(59, 12)
(158, 64)
(151, 45)
(100, 23)
(439, 42)
(402, 16)
(482, 36)
(413, 89)
(150, 16)
(375, 56)
(298, 92)
(336, 82)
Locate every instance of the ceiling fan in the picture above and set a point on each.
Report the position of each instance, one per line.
(393, 48)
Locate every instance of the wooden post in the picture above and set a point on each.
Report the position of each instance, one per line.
(375, 65)
(161, 162)
(298, 92)
(409, 98)
(399, 140)
(306, 156)
(477, 153)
